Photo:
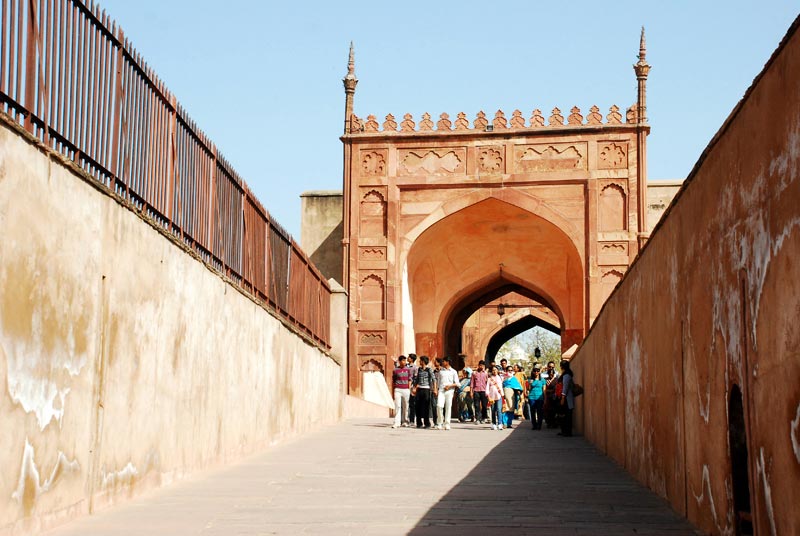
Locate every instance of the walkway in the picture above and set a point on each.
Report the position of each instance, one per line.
(363, 477)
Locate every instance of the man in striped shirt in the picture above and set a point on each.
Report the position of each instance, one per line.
(478, 387)
(401, 382)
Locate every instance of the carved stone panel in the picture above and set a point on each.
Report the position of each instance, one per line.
(609, 280)
(490, 159)
(432, 161)
(612, 253)
(372, 338)
(550, 157)
(372, 253)
(373, 163)
(372, 291)
(612, 155)
(372, 211)
(372, 363)
(612, 207)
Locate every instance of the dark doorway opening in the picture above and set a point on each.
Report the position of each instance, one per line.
(737, 436)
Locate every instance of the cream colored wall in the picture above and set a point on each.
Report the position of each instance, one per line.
(125, 363)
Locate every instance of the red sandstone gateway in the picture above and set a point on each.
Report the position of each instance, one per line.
(442, 218)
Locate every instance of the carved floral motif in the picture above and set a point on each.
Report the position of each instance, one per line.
(373, 163)
(612, 155)
(490, 159)
(462, 123)
(444, 122)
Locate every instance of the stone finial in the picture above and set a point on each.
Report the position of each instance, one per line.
(537, 119)
(444, 122)
(614, 117)
(480, 122)
(575, 117)
(407, 125)
(350, 82)
(426, 123)
(594, 117)
(462, 123)
(351, 65)
(371, 125)
(642, 69)
(355, 124)
(517, 121)
(556, 119)
(499, 121)
(390, 125)
(632, 114)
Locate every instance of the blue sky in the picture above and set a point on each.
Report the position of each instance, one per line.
(263, 79)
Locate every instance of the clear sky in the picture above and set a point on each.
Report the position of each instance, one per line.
(263, 78)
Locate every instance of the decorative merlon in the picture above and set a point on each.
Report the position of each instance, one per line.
(498, 123)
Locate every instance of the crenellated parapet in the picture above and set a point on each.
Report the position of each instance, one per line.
(481, 123)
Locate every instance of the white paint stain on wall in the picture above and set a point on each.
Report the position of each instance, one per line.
(29, 474)
(706, 487)
(122, 477)
(795, 431)
(762, 473)
(36, 393)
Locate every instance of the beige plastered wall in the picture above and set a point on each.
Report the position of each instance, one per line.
(125, 362)
(713, 301)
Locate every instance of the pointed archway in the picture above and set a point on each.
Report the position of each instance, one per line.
(485, 251)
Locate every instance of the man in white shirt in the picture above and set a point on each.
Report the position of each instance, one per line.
(448, 386)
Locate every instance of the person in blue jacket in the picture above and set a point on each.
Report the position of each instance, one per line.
(510, 386)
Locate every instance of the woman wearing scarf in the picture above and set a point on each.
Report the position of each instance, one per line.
(510, 387)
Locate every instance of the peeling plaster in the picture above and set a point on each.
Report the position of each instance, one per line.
(29, 487)
(795, 431)
(124, 476)
(762, 472)
(706, 486)
(36, 394)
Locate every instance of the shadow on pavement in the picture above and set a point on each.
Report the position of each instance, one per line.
(539, 482)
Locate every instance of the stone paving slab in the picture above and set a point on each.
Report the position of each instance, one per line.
(363, 477)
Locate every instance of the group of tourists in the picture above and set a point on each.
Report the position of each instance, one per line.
(428, 394)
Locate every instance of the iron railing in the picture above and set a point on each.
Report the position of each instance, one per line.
(70, 76)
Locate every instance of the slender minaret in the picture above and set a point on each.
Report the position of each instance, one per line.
(642, 69)
(350, 81)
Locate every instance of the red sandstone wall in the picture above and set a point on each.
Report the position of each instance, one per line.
(713, 300)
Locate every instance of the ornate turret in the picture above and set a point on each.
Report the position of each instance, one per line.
(350, 81)
(642, 69)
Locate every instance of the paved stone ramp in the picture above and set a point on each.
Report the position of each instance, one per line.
(363, 477)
